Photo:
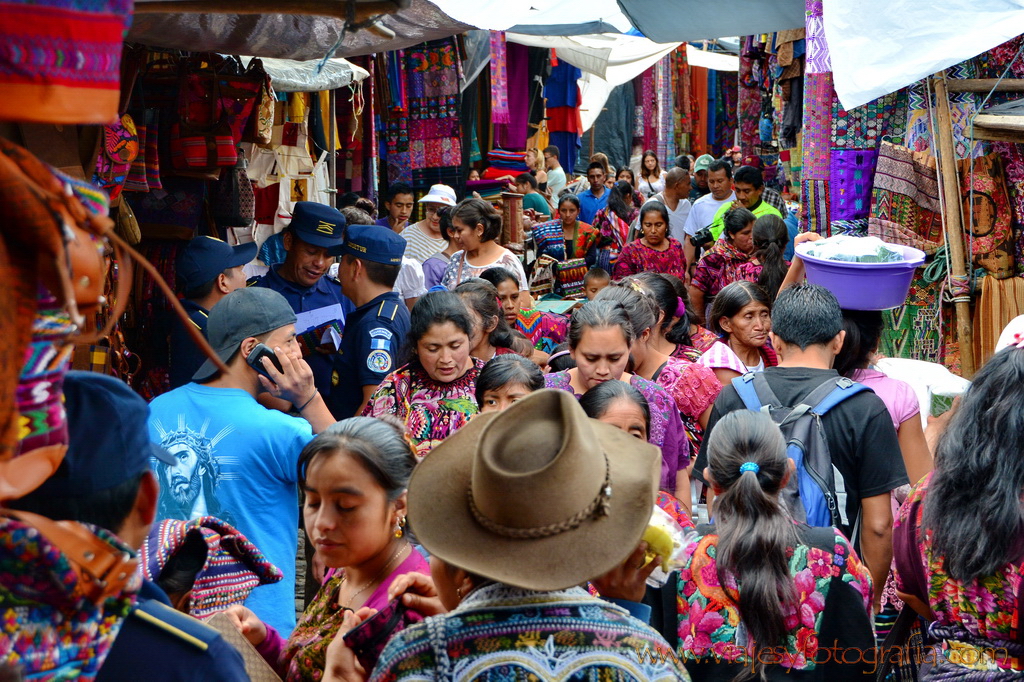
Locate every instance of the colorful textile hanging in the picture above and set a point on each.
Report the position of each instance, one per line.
(987, 215)
(499, 78)
(60, 61)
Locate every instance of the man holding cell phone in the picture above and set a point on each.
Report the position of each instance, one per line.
(235, 457)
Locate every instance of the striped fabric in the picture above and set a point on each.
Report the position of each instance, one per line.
(233, 568)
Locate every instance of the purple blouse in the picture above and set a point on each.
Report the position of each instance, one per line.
(433, 270)
(666, 427)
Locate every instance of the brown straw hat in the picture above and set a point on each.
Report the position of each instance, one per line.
(538, 496)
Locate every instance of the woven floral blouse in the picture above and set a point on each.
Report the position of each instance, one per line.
(833, 588)
(431, 410)
(720, 266)
(549, 238)
(985, 613)
(694, 388)
(637, 257)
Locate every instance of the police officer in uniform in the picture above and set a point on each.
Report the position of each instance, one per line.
(371, 258)
(105, 480)
(303, 280)
(208, 270)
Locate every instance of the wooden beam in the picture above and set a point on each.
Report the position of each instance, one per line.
(976, 84)
(1000, 122)
(997, 135)
(954, 232)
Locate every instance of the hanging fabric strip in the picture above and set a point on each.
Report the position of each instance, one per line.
(499, 79)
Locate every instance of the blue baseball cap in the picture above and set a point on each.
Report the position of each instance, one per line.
(203, 258)
(317, 224)
(372, 243)
(108, 437)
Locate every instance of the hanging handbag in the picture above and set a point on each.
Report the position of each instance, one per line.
(118, 148)
(260, 129)
(126, 224)
(234, 204)
(202, 150)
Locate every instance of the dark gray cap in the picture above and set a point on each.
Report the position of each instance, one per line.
(242, 313)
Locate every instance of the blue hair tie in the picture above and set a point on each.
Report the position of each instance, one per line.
(749, 466)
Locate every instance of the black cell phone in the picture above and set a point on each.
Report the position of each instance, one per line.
(368, 638)
(256, 356)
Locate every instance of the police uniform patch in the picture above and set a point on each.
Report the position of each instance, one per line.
(379, 361)
(381, 332)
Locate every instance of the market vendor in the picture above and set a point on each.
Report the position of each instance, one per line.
(748, 184)
(316, 298)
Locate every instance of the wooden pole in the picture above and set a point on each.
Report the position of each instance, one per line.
(952, 221)
(332, 150)
(985, 85)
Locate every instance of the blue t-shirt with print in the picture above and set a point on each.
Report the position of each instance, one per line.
(237, 461)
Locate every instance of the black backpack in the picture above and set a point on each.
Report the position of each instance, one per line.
(816, 495)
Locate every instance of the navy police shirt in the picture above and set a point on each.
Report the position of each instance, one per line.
(158, 643)
(186, 357)
(326, 292)
(374, 334)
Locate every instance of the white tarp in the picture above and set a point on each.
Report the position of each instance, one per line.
(539, 17)
(289, 75)
(880, 46)
(686, 20)
(606, 60)
(716, 61)
(614, 57)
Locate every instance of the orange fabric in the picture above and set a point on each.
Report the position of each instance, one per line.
(48, 103)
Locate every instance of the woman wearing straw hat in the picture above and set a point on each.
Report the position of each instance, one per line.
(515, 520)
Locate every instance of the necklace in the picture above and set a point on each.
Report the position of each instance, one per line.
(377, 577)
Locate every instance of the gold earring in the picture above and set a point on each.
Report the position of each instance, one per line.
(458, 592)
(400, 527)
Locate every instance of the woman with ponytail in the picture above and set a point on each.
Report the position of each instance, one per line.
(757, 591)
(677, 335)
(768, 268)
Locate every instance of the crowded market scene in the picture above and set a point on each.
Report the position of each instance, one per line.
(511, 340)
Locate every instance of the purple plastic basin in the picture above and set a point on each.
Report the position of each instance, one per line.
(864, 286)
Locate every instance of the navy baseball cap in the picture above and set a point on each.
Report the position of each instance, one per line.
(372, 243)
(242, 313)
(317, 224)
(108, 437)
(203, 258)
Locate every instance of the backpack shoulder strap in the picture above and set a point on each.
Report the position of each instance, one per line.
(754, 391)
(833, 392)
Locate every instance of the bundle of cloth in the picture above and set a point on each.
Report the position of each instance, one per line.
(502, 162)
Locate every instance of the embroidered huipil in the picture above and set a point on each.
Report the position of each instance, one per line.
(983, 614)
(431, 410)
(720, 266)
(833, 590)
(503, 634)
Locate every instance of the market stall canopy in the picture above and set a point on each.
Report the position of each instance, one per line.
(289, 75)
(286, 36)
(540, 17)
(880, 46)
(685, 20)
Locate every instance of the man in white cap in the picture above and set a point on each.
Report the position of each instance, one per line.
(424, 239)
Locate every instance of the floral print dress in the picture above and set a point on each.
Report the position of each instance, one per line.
(983, 616)
(431, 410)
(833, 590)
